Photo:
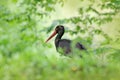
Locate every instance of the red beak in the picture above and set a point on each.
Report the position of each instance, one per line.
(53, 34)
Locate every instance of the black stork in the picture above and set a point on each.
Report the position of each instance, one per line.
(64, 44)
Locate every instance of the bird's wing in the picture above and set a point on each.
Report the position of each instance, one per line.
(80, 46)
(65, 45)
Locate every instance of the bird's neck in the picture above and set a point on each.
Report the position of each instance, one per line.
(58, 37)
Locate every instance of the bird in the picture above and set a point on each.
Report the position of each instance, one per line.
(63, 44)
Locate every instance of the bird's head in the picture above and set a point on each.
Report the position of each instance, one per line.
(58, 30)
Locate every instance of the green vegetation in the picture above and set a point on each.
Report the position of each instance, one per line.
(24, 27)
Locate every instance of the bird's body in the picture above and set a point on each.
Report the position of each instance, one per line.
(64, 44)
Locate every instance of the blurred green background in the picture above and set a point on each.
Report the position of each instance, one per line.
(26, 24)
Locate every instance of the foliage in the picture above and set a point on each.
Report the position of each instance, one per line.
(25, 56)
(91, 18)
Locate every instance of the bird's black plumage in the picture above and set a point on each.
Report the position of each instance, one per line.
(64, 44)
